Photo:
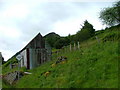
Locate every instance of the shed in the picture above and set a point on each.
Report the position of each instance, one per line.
(34, 53)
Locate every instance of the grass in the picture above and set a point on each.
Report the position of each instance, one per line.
(94, 65)
(97, 67)
(0, 77)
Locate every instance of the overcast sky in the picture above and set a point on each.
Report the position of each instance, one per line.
(21, 20)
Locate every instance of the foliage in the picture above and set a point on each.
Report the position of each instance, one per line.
(61, 42)
(12, 60)
(72, 38)
(93, 66)
(6, 85)
(86, 32)
(91, 70)
(111, 15)
(51, 38)
(58, 42)
(89, 28)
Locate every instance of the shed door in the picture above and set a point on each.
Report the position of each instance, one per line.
(28, 59)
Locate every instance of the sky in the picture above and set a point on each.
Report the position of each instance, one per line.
(22, 20)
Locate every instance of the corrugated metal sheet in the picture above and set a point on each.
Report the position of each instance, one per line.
(49, 50)
(24, 59)
(37, 57)
(36, 52)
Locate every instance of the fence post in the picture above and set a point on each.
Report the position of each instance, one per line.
(70, 48)
(97, 39)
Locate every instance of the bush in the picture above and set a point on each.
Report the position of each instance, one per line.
(61, 42)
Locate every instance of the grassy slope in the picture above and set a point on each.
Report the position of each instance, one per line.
(93, 66)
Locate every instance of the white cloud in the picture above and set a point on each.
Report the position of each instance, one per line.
(70, 26)
(21, 20)
(14, 9)
(9, 32)
(6, 54)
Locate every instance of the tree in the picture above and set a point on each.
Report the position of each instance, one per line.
(51, 38)
(88, 28)
(71, 38)
(64, 41)
(86, 32)
(111, 15)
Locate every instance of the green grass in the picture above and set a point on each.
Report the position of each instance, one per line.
(0, 78)
(95, 65)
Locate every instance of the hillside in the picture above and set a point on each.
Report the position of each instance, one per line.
(94, 65)
(51, 38)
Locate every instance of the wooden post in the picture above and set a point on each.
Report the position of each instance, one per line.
(97, 39)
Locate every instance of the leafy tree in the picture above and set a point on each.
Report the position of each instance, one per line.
(71, 38)
(64, 41)
(88, 28)
(111, 15)
(51, 38)
(86, 32)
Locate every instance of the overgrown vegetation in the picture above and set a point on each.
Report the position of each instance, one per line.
(83, 34)
(94, 65)
(111, 15)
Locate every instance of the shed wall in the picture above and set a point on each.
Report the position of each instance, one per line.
(37, 57)
(24, 59)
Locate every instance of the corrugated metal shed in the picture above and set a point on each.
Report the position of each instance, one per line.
(36, 52)
(49, 50)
